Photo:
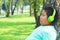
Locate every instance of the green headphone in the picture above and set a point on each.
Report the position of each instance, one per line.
(51, 18)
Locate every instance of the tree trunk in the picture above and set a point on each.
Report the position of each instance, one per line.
(8, 9)
(0, 6)
(56, 6)
(43, 3)
(58, 23)
(17, 10)
(22, 10)
(22, 7)
(11, 6)
(12, 12)
(30, 10)
(0, 9)
(35, 15)
(8, 12)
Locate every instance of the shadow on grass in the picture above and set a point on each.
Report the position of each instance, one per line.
(24, 29)
(20, 16)
(15, 23)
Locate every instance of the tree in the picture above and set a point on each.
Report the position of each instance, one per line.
(35, 8)
(15, 5)
(22, 5)
(0, 5)
(37, 11)
(57, 6)
(11, 6)
(8, 9)
(35, 5)
(8, 5)
(31, 3)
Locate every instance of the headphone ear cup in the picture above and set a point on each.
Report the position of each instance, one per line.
(50, 19)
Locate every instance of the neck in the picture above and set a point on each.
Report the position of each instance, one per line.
(47, 25)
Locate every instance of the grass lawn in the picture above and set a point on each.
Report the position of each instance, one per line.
(16, 27)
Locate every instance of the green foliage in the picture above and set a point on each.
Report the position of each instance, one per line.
(26, 2)
(3, 7)
(39, 6)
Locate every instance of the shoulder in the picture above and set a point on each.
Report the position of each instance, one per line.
(45, 28)
(43, 33)
(48, 32)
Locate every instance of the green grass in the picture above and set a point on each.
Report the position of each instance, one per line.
(16, 27)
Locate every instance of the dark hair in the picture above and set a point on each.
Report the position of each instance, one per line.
(49, 11)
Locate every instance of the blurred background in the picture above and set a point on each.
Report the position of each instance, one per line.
(18, 18)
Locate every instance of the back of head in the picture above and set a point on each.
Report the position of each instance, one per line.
(50, 11)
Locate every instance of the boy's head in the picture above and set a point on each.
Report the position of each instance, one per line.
(46, 13)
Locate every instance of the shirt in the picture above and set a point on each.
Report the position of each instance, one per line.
(43, 33)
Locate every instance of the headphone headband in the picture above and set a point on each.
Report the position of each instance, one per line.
(54, 12)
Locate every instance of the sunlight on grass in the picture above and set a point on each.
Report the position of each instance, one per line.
(16, 27)
(24, 19)
(5, 30)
